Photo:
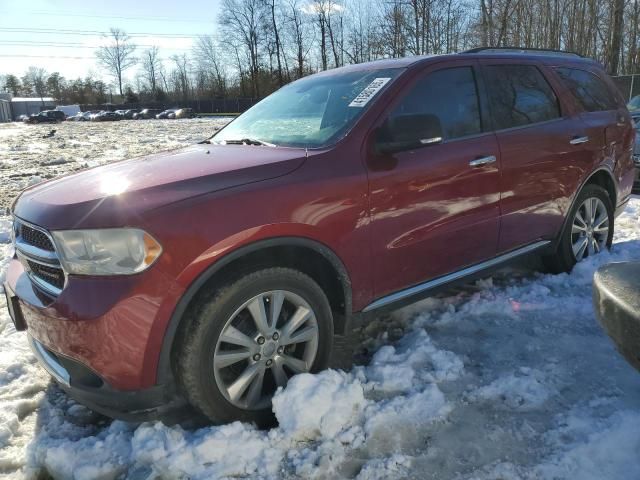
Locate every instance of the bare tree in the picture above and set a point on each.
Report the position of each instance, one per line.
(241, 19)
(209, 63)
(276, 36)
(180, 75)
(117, 55)
(36, 78)
(616, 36)
(151, 65)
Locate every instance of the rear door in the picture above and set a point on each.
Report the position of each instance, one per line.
(542, 150)
(607, 122)
(435, 209)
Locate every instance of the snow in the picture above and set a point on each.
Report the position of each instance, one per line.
(506, 378)
(306, 410)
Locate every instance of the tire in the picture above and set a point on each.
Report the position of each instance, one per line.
(565, 258)
(210, 385)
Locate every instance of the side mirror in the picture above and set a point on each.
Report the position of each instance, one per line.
(408, 132)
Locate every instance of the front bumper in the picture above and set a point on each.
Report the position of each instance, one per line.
(113, 326)
(158, 402)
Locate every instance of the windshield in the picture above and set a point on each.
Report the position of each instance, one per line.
(312, 112)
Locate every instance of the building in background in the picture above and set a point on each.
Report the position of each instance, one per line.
(28, 106)
(5, 110)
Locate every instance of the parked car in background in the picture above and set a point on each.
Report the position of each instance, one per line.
(147, 113)
(46, 116)
(82, 116)
(616, 299)
(212, 274)
(120, 113)
(165, 114)
(128, 114)
(106, 116)
(185, 113)
(634, 104)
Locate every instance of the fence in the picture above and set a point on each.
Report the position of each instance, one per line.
(215, 105)
(629, 85)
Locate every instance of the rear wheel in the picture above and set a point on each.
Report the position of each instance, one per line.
(248, 339)
(588, 231)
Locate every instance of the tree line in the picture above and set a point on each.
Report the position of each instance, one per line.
(260, 45)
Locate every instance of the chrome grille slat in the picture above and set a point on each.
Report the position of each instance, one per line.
(36, 251)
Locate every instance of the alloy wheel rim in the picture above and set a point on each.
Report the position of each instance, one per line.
(590, 228)
(267, 340)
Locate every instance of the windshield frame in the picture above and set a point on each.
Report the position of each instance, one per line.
(336, 138)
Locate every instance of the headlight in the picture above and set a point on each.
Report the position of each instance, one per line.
(111, 251)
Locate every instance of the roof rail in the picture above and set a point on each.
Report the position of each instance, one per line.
(540, 51)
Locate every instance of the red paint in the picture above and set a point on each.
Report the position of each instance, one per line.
(393, 220)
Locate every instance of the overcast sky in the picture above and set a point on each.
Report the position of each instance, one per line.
(62, 35)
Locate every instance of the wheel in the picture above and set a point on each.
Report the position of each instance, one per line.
(247, 339)
(588, 231)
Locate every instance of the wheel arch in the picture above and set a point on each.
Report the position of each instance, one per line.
(308, 256)
(602, 177)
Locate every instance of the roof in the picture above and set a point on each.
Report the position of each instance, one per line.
(32, 99)
(544, 56)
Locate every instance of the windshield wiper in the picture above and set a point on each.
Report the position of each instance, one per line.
(249, 141)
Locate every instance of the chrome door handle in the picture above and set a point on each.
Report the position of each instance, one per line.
(482, 161)
(578, 140)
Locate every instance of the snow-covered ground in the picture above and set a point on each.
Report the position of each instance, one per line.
(508, 378)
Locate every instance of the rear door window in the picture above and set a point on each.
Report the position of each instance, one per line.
(519, 96)
(590, 91)
(449, 94)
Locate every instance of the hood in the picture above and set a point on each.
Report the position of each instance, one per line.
(114, 194)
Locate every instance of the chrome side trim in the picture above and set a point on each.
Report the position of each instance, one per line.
(478, 162)
(49, 362)
(422, 287)
(578, 140)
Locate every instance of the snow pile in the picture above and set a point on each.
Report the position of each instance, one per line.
(307, 408)
(524, 390)
(390, 468)
(234, 450)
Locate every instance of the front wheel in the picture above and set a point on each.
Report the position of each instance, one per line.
(249, 338)
(589, 229)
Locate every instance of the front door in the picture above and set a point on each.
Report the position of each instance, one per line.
(434, 209)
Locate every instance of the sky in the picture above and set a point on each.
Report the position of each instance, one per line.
(62, 35)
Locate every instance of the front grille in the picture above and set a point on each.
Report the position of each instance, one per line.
(51, 275)
(36, 238)
(36, 251)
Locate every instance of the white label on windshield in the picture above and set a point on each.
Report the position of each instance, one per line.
(369, 92)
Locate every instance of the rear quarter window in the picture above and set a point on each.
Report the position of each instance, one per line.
(520, 95)
(591, 91)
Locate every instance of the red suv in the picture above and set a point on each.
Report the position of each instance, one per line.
(210, 275)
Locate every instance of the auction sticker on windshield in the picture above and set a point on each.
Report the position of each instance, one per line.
(369, 92)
